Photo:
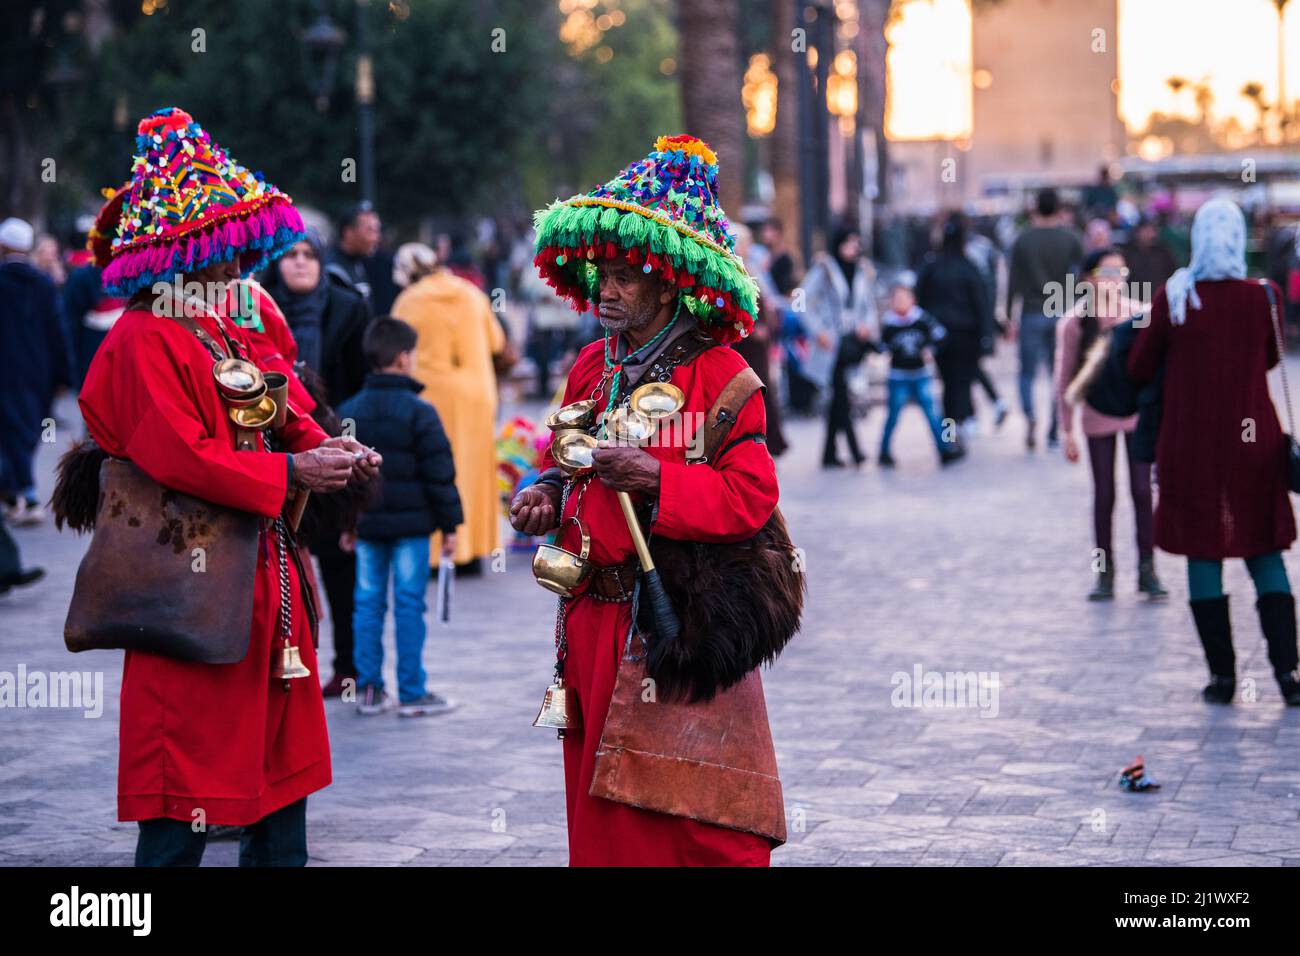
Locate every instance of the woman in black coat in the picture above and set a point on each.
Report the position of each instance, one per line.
(327, 320)
(951, 289)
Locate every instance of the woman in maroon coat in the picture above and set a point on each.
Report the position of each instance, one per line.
(1221, 454)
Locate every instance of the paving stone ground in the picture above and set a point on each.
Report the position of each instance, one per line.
(979, 568)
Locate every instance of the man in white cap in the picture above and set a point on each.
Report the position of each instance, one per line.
(34, 364)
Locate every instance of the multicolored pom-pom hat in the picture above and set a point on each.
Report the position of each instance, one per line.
(188, 205)
(660, 213)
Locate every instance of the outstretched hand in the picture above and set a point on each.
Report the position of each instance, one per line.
(533, 511)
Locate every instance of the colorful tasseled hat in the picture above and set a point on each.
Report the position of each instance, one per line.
(188, 204)
(661, 213)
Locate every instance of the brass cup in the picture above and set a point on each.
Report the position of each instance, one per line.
(257, 417)
(580, 415)
(240, 383)
(560, 570)
(572, 450)
(277, 387)
(656, 400)
(629, 427)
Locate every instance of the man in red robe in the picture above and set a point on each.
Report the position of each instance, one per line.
(205, 744)
(650, 336)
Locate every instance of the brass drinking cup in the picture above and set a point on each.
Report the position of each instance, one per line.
(277, 387)
(581, 415)
(572, 450)
(240, 383)
(561, 571)
(656, 400)
(628, 427)
(257, 417)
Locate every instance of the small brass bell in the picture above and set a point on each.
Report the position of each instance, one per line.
(291, 666)
(559, 710)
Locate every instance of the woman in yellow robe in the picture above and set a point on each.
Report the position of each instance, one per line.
(453, 360)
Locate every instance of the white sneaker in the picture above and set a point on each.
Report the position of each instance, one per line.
(26, 513)
(373, 701)
(429, 705)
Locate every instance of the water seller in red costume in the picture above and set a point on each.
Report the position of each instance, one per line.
(668, 755)
(240, 743)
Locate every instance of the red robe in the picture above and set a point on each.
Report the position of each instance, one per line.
(1220, 496)
(274, 349)
(697, 503)
(225, 739)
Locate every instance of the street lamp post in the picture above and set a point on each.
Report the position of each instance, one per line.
(323, 42)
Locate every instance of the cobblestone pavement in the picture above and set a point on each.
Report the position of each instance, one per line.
(979, 568)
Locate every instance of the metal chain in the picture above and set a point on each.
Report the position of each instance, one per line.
(282, 540)
(561, 638)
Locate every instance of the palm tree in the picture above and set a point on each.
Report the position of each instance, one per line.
(1255, 93)
(710, 82)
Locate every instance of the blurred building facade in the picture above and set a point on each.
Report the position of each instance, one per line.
(1045, 82)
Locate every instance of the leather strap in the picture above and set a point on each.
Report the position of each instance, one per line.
(722, 416)
(614, 582)
(682, 351)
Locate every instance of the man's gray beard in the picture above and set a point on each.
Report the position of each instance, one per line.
(633, 322)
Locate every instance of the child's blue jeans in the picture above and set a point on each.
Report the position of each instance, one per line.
(904, 391)
(408, 559)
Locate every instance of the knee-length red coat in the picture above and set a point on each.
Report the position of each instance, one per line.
(1221, 454)
(224, 739)
(729, 502)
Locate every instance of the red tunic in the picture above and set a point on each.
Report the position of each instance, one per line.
(1221, 495)
(225, 739)
(698, 503)
(273, 346)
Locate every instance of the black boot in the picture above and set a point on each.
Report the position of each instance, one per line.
(1104, 589)
(1215, 630)
(1277, 620)
(1148, 583)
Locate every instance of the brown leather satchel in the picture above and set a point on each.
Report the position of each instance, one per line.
(165, 573)
(704, 751)
(713, 762)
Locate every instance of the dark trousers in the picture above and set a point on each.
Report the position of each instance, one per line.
(338, 573)
(278, 839)
(1101, 455)
(839, 419)
(10, 561)
(958, 363)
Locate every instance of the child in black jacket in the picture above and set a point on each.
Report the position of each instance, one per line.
(907, 333)
(418, 497)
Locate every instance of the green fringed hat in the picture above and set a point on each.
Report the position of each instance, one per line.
(662, 214)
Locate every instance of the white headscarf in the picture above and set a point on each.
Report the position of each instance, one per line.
(1218, 252)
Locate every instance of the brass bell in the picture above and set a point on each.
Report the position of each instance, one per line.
(557, 711)
(290, 666)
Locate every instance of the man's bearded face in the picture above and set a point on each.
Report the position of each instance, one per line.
(629, 297)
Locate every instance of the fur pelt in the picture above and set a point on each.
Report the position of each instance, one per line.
(75, 501)
(739, 605)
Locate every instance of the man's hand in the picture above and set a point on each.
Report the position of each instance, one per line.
(626, 468)
(348, 542)
(322, 469)
(1071, 448)
(449, 544)
(534, 509)
(364, 467)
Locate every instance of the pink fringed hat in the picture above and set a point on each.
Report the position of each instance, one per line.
(188, 204)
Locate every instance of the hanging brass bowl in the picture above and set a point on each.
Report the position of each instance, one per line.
(255, 417)
(572, 450)
(240, 383)
(656, 400)
(581, 415)
(628, 427)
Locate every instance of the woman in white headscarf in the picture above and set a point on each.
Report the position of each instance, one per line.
(1221, 455)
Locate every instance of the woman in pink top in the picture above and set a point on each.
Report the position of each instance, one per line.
(1104, 305)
